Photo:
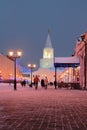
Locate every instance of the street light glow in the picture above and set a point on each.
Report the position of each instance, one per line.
(15, 54)
(31, 66)
(11, 53)
(34, 65)
(19, 53)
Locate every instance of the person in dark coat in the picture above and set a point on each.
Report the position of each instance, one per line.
(42, 82)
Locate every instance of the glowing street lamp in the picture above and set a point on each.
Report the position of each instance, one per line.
(15, 54)
(31, 67)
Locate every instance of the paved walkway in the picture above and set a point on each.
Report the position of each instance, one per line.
(30, 109)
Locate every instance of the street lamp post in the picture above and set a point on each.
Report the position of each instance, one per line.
(15, 55)
(31, 67)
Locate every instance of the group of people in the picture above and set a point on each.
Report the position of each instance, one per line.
(44, 82)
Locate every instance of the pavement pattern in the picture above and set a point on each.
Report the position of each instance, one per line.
(51, 109)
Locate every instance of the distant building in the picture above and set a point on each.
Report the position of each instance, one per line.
(48, 55)
(7, 68)
(81, 51)
(43, 72)
(47, 62)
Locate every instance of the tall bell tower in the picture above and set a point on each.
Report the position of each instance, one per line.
(48, 54)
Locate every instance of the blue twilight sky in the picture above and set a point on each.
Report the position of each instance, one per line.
(24, 24)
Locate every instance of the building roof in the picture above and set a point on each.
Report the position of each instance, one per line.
(66, 61)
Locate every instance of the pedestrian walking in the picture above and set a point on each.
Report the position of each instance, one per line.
(46, 82)
(42, 82)
(36, 80)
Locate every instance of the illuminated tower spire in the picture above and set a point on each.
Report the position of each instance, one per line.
(48, 54)
(48, 41)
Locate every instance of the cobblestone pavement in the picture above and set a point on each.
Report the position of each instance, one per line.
(30, 109)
